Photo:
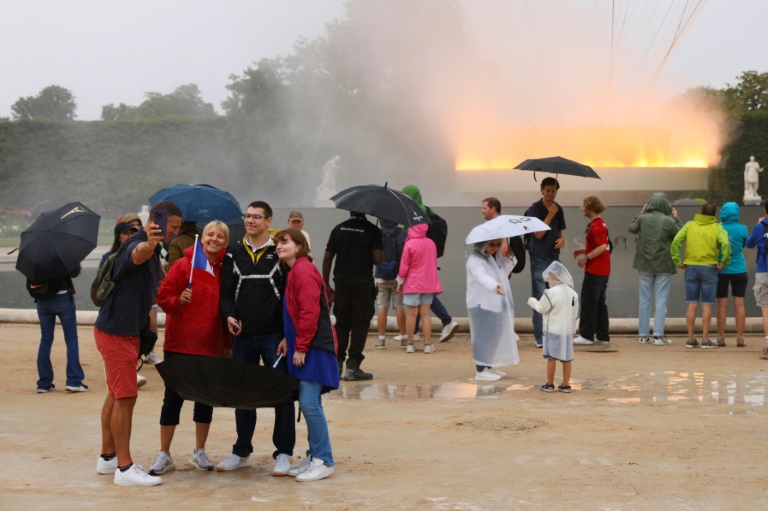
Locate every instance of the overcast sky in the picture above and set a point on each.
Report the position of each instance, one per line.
(114, 51)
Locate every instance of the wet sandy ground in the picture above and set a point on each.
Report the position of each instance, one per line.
(646, 428)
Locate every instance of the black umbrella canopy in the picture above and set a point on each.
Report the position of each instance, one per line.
(381, 202)
(225, 382)
(558, 165)
(57, 242)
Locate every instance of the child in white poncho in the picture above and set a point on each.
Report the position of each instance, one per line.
(559, 307)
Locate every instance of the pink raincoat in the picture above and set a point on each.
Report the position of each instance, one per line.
(418, 265)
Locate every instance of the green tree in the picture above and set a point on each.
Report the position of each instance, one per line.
(54, 103)
(749, 94)
(186, 101)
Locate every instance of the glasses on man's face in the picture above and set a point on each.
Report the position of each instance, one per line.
(252, 217)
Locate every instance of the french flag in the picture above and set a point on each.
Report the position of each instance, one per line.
(199, 261)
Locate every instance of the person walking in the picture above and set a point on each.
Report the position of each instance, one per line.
(707, 251)
(735, 275)
(310, 347)
(655, 227)
(137, 272)
(193, 327)
(252, 286)
(596, 261)
(544, 246)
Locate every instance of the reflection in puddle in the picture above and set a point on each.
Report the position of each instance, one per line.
(649, 387)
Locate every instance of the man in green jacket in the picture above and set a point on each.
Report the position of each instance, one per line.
(707, 251)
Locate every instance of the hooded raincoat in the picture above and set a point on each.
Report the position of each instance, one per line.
(706, 243)
(491, 315)
(655, 230)
(737, 237)
(559, 307)
(418, 264)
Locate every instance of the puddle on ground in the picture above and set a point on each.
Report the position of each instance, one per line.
(648, 387)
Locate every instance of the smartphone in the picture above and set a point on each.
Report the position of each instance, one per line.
(161, 219)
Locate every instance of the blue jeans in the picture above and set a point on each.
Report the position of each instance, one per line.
(253, 348)
(659, 284)
(63, 306)
(538, 286)
(701, 284)
(311, 405)
(440, 311)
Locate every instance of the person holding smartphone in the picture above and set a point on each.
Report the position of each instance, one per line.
(137, 271)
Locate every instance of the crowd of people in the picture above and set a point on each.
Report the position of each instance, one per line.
(261, 300)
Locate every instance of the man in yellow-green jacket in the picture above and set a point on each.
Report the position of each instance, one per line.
(707, 251)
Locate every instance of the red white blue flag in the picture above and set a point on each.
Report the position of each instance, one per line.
(199, 261)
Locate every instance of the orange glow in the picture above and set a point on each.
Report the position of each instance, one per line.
(596, 147)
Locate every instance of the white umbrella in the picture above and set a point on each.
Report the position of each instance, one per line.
(505, 226)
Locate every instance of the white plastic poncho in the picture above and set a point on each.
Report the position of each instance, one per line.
(491, 315)
(559, 307)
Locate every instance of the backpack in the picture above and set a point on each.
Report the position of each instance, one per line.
(392, 241)
(437, 231)
(103, 285)
(517, 244)
(46, 289)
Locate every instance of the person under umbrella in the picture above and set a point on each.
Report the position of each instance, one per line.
(193, 327)
(310, 346)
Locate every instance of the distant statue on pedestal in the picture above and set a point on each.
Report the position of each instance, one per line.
(327, 187)
(751, 181)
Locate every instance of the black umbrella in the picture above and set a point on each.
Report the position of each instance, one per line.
(220, 381)
(558, 165)
(381, 202)
(57, 242)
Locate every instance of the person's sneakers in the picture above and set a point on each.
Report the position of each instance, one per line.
(282, 465)
(410, 349)
(539, 343)
(135, 476)
(162, 464)
(106, 467)
(500, 373)
(582, 340)
(487, 374)
(401, 337)
(564, 388)
(692, 343)
(449, 331)
(708, 344)
(382, 344)
(140, 381)
(416, 337)
(317, 470)
(547, 387)
(233, 462)
(153, 359)
(429, 348)
(42, 390)
(200, 460)
(302, 467)
(357, 375)
(661, 341)
(76, 388)
(645, 340)
(600, 341)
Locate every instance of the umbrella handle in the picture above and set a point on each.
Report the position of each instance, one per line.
(277, 361)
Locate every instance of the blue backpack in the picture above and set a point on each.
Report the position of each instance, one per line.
(393, 241)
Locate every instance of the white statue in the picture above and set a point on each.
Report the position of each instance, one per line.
(327, 187)
(751, 178)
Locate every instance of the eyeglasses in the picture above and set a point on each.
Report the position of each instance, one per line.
(252, 217)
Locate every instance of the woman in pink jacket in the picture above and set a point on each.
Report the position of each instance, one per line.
(419, 282)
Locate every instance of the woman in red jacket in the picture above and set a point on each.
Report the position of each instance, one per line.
(310, 347)
(193, 326)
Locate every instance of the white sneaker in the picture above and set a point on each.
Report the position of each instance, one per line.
(106, 468)
(401, 337)
(487, 375)
(140, 381)
(582, 340)
(410, 349)
(448, 331)
(233, 462)
(302, 467)
(429, 348)
(416, 337)
(661, 341)
(153, 359)
(500, 373)
(382, 344)
(645, 340)
(200, 460)
(282, 465)
(162, 464)
(135, 476)
(317, 470)
(76, 388)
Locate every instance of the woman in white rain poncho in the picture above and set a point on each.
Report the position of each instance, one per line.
(491, 310)
(559, 307)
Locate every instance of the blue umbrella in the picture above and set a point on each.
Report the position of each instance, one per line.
(200, 203)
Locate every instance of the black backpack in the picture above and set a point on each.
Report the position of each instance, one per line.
(437, 231)
(392, 241)
(47, 289)
(517, 245)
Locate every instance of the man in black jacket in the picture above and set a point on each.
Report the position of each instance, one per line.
(252, 288)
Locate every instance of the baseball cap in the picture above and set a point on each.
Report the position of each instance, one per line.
(295, 214)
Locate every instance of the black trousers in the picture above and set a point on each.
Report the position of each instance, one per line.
(354, 308)
(594, 311)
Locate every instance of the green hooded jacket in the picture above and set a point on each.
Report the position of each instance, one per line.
(706, 242)
(655, 230)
